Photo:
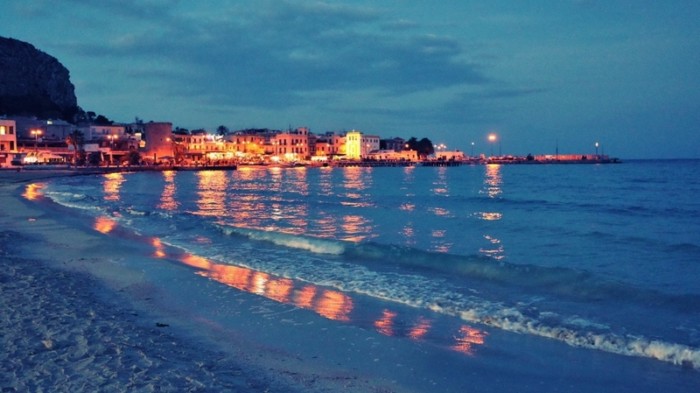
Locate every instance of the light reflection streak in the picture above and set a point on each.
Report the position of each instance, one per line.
(385, 324)
(112, 186)
(489, 216)
(468, 338)
(167, 198)
(34, 191)
(496, 251)
(104, 224)
(493, 180)
(355, 229)
(420, 329)
(211, 188)
(441, 184)
(328, 303)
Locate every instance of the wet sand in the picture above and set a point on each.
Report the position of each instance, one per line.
(73, 321)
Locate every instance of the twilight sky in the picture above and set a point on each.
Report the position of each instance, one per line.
(625, 73)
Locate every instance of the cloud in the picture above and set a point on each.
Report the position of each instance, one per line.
(270, 55)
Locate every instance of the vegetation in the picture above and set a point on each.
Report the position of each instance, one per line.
(424, 147)
(77, 140)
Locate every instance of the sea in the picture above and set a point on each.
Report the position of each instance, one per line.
(521, 270)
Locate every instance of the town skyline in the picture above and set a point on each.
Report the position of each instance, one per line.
(541, 76)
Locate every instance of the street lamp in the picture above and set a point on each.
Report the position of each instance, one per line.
(111, 148)
(36, 134)
(472, 149)
(492, 139)
(596, 149)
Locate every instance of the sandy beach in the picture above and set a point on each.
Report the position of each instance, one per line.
(73, 320)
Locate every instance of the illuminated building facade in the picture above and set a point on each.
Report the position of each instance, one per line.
(8, 141)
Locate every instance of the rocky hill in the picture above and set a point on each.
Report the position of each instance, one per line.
(34, 83)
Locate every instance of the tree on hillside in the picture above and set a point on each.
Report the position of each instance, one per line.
(103, 121)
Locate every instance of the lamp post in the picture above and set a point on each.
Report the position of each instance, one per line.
(472, 149)
(596, 149)
(36, 134)
(492, 139)
(111, 147)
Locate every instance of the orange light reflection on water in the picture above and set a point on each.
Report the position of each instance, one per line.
(467, 339)
(420, 329)
(104, 224)
(112, 186)
(211, 188)
(493, 180)
(328, 303)
(167, 198)
(33, 191)
(385, 324)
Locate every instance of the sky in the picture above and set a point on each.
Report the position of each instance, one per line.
(539, 74)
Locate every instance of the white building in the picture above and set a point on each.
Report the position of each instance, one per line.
(358, 145)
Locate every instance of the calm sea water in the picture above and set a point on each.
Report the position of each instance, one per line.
(603, 257)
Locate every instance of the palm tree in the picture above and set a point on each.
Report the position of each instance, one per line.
(75, 139)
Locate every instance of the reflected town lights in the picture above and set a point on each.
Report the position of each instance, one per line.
(328, 303)
(385, 324)
(112, 186)
(104, 224)
(33, 191)
(167, 197)
(493, 180)
(420, 329)
(468, 338)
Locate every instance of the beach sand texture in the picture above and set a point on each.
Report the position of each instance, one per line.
(71, 321)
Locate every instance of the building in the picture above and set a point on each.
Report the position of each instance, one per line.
(95, 132)
(392, 155)
(329, 145)
(157, 141)
(358, 145)
(395, 144)
(291, 145)
(8, 141)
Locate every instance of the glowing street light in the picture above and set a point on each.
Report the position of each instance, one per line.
(596, 148)
(492, 139)
(111, 148)
(36, 134)
(472, 149)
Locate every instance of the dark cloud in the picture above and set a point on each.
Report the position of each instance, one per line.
(268, 56)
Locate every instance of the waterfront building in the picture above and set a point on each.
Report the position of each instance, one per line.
(95, 132)
(395, 144)
(291, 145)
(329, 145)
(157, 141)
(358, 145)
(8, 141)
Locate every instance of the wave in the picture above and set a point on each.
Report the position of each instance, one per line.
(564, 282)
(314, 245)
(432, 294)
(571, 333)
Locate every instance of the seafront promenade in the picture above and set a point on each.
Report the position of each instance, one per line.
(507, 160)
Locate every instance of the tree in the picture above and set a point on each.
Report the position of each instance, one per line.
(134, 158)
(222, 130)
(94, 158)
(77, 140)
(423, 147)
(103, 121)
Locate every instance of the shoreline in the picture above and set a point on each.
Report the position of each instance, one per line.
(77, 321)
